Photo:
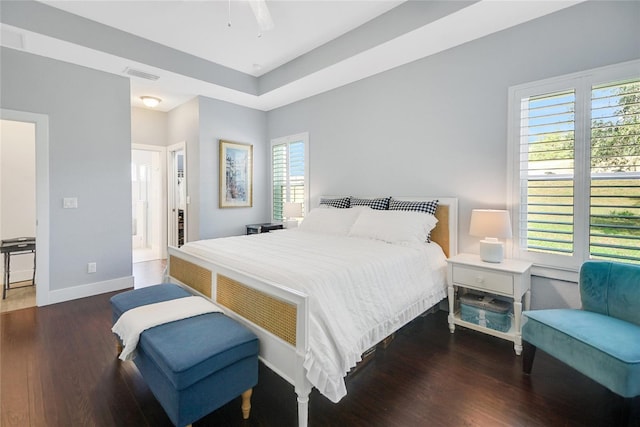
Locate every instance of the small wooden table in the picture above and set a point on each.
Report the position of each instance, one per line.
(17, 246)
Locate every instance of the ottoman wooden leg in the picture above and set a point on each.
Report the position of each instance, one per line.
(246, 403)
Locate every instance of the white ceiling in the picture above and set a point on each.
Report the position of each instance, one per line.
(200, 28)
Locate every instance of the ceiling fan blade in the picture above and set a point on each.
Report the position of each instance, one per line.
(261, 11)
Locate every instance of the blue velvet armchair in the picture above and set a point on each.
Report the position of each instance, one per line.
(602, 340)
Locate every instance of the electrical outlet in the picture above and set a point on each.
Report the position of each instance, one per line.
(92, 267)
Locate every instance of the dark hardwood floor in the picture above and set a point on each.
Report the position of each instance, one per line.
(59, 368)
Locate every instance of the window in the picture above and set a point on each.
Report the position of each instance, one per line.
(575, 167)
(289, 172)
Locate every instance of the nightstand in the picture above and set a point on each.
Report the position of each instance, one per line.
(263, 228)
(510, 278)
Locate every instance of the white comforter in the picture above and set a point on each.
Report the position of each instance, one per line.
(359, 290)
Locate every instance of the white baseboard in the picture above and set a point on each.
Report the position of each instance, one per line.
(90, 289)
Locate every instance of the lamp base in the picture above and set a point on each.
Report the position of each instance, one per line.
(491, 250)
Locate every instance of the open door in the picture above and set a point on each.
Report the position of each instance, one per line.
(147, 188)
(31, 217)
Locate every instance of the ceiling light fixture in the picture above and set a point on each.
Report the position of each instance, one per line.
(150, 101)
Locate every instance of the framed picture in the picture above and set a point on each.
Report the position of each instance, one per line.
(236, 175)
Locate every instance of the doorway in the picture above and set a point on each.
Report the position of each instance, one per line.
(24, 198)
(147, 214)
(178, 198)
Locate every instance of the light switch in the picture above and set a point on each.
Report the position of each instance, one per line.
(70, 203)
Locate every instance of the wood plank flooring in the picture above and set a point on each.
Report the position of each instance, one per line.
(58, 367)
(21, 295)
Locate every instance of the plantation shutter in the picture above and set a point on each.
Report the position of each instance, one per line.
(288, 175)
(614, 231)
(279, 178)
(547, 137)
(575, 169)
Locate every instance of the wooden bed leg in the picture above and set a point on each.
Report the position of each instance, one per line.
(118, 348)
(246, 403)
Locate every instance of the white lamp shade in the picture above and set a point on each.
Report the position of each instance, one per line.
(292, 210)
(490, 223)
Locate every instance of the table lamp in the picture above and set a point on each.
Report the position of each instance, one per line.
(491, 224)
(291, 210)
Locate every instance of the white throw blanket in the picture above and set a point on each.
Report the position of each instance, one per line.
(135, 321)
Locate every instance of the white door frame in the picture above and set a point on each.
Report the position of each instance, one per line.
(41, 122)
(172, 212)
(162, 152)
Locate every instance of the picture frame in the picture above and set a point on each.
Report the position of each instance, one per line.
(236, 175)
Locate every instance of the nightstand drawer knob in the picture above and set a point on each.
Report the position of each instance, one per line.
(479, 280)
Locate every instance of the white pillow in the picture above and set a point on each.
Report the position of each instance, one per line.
(330, 221)
(393, 226)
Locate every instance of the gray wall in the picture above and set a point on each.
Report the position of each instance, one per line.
(183, 127)
(222, 120)
(90, 155)
(438, 126)
(148, 127)
(202, 123)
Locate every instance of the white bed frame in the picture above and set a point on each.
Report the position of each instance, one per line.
(278, 315)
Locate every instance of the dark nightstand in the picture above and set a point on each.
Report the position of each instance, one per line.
(263, 228)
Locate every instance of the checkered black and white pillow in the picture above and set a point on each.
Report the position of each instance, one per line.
(341, 203)
(381, 203)
(414, 206)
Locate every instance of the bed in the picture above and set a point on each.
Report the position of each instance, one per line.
(318, 296)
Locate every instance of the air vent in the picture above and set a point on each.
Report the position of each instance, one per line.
(142, 74)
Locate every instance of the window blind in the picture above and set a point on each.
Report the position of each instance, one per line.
(547, 135)
(614, 226)
(575, 168)
(288, 175)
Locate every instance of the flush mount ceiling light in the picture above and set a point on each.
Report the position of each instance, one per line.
(150, 101)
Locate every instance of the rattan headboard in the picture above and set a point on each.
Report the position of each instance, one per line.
(446, 231)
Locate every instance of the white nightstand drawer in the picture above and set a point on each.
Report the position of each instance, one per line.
(481, 279)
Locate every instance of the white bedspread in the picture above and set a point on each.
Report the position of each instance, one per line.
(359, 290)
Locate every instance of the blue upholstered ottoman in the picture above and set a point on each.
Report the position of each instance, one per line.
(194, 365)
